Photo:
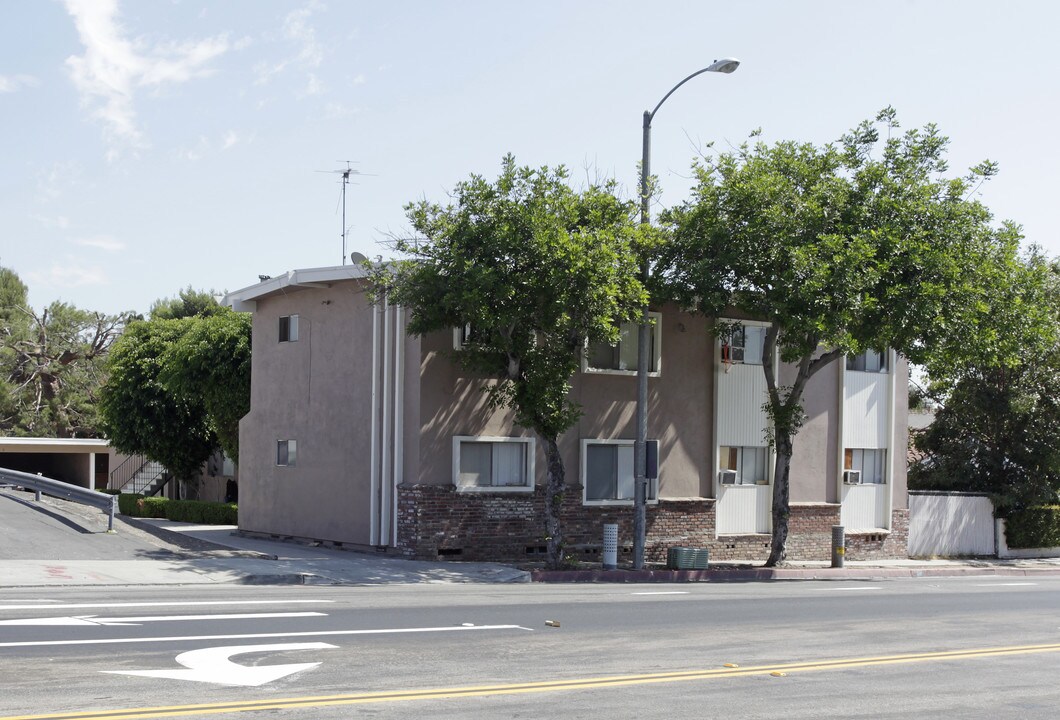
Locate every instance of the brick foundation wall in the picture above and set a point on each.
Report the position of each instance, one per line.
(435, 521)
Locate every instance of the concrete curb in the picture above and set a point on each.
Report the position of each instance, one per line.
(770, 574)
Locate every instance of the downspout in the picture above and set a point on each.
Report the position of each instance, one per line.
(399, 414)
(387, 444)
(373, 518)
(892, 359)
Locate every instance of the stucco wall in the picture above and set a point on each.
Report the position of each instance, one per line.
(316, 391)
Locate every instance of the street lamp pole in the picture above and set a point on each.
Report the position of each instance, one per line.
(640, 468)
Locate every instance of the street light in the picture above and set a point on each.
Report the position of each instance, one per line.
(640, 485)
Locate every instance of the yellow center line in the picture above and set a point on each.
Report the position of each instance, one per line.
(144, 713)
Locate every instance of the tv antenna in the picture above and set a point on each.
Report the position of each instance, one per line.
(345, 172)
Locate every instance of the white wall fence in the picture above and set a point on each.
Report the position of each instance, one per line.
(951, 524)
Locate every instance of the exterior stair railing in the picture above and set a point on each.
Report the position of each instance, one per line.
(139, 475)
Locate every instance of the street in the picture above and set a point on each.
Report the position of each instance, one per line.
(967, 647)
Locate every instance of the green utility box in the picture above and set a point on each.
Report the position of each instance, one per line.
(686, 558)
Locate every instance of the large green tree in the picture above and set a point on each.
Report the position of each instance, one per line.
(537, 269)
(997, 427)
(51, 363)
(861, 244)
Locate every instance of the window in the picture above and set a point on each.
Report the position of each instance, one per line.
(608, 473)
(743, 344)
(289, 328)
(868, 361)
(286, 452)
(870, 463)
(622, 357)
(485, 464)
(749, 464)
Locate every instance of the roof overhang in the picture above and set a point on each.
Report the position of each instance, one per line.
(55, 445)
(245, 300)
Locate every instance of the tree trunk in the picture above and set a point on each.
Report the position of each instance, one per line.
(554, 488)
(781, 497)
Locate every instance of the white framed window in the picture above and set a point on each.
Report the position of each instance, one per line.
(607, 472)
(289, 328)
(621, 358)
(462, 335)
(870, 462)
(868, 361)
(286, 452)
(493, 464)
(743, 344)
(750, 464)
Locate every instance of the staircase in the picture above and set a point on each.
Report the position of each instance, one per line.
(140, 476)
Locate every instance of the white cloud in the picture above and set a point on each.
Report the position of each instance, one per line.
(52, 182)
(75, 273)
(102, 242)
(59, 222)
(231, 139)
(192, 154)
(333, 111)
(309, 53)
(13, 83)
(313, 85)
(114, 67)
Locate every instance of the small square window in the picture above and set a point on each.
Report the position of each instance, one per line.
(749, 464)
(286, 452)
(868, 361)
(870, 462)
(608, 473)
(622, 357)
(483, 464)
(743, 344)
(289, 328)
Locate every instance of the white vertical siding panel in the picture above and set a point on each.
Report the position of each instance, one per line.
(741, 395)
(950, 525)
(744, 509)
(864, 507)
(865, 410)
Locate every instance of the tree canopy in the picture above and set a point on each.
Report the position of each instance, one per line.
(860, 244)
(537, 269)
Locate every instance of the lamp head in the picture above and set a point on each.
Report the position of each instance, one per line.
(725, 65)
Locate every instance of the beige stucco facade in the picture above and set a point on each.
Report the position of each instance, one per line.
(373, 411)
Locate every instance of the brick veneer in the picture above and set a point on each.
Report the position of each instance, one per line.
(435, 521)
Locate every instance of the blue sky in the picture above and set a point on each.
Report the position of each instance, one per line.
(149, 146)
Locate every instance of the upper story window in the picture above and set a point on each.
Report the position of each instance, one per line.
(868, 361)
(743, 466)
(743, 344)
(286, 452)
(289, 328)
(608, 473)
(465, 334)
(622, 357)
(491, 464)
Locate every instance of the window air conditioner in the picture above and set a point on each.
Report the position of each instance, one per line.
(852, 477)
(727, 477)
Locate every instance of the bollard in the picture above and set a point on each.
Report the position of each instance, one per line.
(839, 546)
(610, 553)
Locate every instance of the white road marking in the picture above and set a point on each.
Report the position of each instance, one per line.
(668, 592)
(211, 665)
(869, 587)
(96, 621)
(249, 636)
(1005, 584)
(79, 606)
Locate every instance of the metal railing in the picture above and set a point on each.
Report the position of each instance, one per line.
(136, 474)
(56, 488)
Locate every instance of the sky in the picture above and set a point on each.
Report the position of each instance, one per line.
(152, 146)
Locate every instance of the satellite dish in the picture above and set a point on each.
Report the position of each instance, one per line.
(357, 258)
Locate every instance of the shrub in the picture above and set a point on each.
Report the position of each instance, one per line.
(189, 511)
(127, 504)
(151, 507)
(1034, 528)
(109, 491)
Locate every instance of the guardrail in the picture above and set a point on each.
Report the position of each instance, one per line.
(106, 503)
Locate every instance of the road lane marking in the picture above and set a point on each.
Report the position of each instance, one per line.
(212, 665)
(853, 588)
(1005, 584)
(95, 620)
(145, 713)
(81, 606)
(667, 592)
(254, 636)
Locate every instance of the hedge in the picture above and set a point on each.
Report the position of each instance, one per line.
(190, 511)
(1033, 528)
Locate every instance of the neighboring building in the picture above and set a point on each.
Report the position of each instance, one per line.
(360, 435)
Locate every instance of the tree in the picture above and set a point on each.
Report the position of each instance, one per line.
(841, 251)
(188, 303)
(537, 269)
(211, 361)
(997, 429)
(52, 364)
(140, 415)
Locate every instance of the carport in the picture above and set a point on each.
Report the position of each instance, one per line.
(82, 462)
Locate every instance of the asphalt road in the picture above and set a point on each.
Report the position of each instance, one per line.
(972, 647)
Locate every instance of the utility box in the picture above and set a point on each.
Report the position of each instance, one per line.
(686, 558)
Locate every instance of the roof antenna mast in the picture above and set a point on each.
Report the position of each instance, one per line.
(346, 172)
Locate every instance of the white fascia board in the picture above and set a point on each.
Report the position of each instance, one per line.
(244, 300)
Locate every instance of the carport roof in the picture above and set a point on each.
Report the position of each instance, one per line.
(59, 445)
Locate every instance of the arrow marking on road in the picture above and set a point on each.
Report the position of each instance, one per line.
(212, 665)
(97, 621)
